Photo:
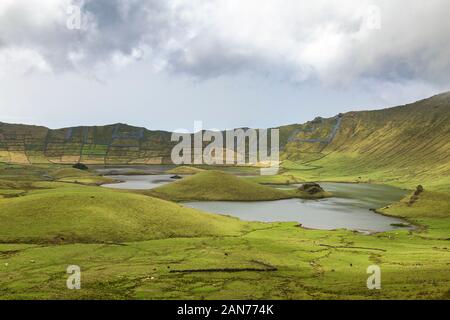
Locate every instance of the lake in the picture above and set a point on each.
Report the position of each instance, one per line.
(349, 208)
(139, 182)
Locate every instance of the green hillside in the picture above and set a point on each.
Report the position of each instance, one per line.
(404, 146)
(131, 245)
(185, 170)
(91, 214)
(191, 255)
(111, 144)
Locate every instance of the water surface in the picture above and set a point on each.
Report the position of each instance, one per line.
(139, 182)
(348, 209)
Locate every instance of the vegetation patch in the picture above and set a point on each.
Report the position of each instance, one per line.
(311, 188)
(80, 166)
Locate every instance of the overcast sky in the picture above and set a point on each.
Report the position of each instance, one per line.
(163, 64)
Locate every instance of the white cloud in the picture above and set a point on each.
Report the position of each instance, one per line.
(21, 61)
(328, 41)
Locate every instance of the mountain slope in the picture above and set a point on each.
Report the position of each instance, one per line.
(405, 145)
(111, 144)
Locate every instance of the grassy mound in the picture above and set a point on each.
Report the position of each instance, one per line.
(185, 170)
(428, 205)
(430, 209)
(219, 186)
(92, 214)
(73, 175)
(69, 173)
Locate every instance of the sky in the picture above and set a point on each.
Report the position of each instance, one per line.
(163, 64)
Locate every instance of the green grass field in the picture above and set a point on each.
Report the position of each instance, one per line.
(144, 245)
(278, 261)
(133, 246)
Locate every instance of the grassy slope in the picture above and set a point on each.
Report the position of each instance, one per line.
(46, 211)
(432, 210)
(110, 144)
(89, 214)
(220, 186)
(402, 146)
(67, 174)
(430, 205)
(309, 263)
(185, 170)
(20, 174)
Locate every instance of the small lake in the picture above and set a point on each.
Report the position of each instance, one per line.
(348, 209)
(139, 182)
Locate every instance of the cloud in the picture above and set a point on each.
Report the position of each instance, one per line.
(336, 43)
